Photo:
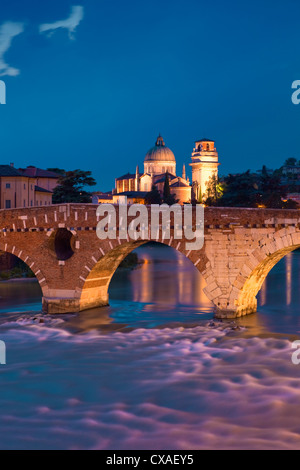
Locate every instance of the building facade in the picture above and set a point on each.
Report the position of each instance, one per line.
(23, 188)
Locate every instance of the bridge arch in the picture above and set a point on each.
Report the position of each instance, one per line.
(260, 262)
(31, 262)
(96, 276)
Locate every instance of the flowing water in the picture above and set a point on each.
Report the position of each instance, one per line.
(152, 370)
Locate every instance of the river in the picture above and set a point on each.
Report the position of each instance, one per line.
(152, 370)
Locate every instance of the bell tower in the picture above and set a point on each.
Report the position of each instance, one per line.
(205, 163)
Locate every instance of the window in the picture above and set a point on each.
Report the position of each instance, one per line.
(31, 203)
(24, 185)
(7, 185)
(8, 204)
(24, 203)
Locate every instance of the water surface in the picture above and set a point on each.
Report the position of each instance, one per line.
(152, 370)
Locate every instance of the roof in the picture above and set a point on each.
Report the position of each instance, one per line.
(129, 176)
(160, 152)
(133, 194)
(107, 197)
(33, 172)
(8, 170)
(38, 189)
(180, 184)
(101, 193)
(162, 178)
(204, 140)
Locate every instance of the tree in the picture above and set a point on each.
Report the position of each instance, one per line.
(214, 191)
(167, 192)
(252, 190)
(200, 197)
(290, 162)
(153, 197)
(168, 198)
(71, 186)
(290, 204)
(240, 190)
(264, 171)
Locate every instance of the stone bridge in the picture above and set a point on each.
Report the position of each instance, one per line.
(74, 268)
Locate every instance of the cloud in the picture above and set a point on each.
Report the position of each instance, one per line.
(8, 31)
(70, 23)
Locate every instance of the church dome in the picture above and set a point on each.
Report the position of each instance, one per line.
(160, 152)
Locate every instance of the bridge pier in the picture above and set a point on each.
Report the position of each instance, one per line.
(59, 301)
(53, 306)
(239, 312)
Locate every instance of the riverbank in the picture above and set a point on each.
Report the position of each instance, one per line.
(19, 272)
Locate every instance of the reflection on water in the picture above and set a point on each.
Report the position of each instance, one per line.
(288, 268)
(20, 295)
(166, 277)
(166, 289)
(278, 300)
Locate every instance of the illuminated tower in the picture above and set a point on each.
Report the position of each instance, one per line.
(205, 163)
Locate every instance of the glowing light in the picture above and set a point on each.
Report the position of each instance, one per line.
(288, 264)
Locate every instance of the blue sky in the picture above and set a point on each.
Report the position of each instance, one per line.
(95, 95)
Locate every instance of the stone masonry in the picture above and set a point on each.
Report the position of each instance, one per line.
(74, 268)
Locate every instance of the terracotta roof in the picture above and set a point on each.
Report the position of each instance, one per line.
(33, 172)
(8, 170)
(38, 189)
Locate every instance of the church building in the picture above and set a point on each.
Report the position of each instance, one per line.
(159, 162)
